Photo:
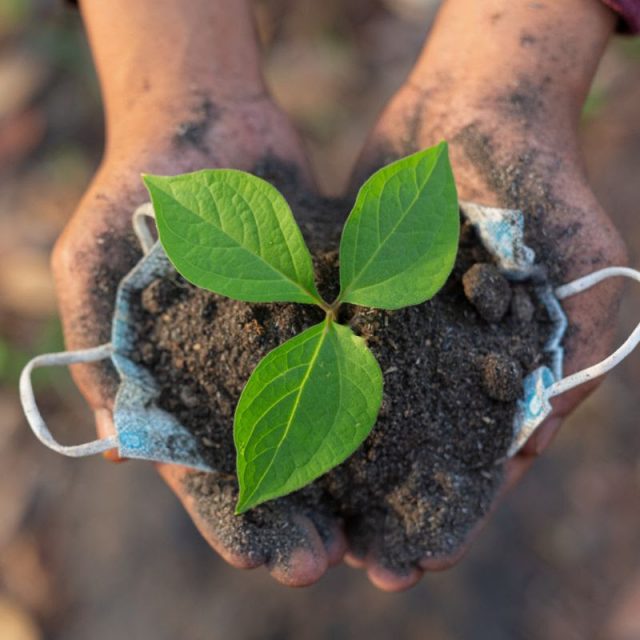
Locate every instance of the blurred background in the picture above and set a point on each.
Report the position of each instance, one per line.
(90, 550)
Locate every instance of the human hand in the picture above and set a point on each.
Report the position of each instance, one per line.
(504, 82)
(164, 127)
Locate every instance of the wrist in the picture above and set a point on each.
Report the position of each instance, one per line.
(158, 122)
(207, 134)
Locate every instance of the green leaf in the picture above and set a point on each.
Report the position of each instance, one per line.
(307, 406)
(400, 241)
(233, 233)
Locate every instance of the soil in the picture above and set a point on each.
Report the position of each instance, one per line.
(453, 369)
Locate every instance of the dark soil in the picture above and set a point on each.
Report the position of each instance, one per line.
(431, 466)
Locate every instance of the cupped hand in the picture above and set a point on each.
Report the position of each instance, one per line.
(503, 83)
(97, 248)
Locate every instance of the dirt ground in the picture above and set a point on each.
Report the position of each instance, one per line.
(93, 550)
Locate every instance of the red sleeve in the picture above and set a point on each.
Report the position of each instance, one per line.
(629, 12)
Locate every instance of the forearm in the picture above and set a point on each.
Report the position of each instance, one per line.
(516, 49)
(157, 58)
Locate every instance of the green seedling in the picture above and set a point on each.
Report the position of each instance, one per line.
(312, 401)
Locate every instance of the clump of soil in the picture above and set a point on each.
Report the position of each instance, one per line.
(453, 369)
(487, 290)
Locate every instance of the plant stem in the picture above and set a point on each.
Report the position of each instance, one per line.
(332, 310)
(325, 306)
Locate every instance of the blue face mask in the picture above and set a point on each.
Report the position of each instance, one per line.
(146, 432)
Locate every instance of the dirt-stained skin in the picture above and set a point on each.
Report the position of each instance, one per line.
(509, 112)
(193, 131)
(453, 477)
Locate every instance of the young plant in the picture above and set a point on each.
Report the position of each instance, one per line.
(312, 401)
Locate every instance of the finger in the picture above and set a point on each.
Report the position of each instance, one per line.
(542, 437)
(336, 547)
(392, 581)
(302, 565)
(443, 563)
(515, 470)
(332, 536)
(354, 561)
(271, 534)
(106, 429)
(301, 568)
(331, 533)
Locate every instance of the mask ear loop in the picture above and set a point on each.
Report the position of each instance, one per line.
(32, 413)
(102, 352)
(597, 370)
(141, 228)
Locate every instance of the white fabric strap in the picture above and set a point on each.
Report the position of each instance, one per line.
(65, 358)
(32, 412)
(141, 228)
(599, 369)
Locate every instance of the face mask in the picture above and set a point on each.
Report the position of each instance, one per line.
(146, 432)
(501, 231)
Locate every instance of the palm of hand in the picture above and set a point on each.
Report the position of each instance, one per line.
(517, 168)
(531, 166)
(98, 248)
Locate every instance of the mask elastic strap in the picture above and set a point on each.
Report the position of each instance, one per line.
(141, 228)
(32, 412)
(597, 370)
(27, 396)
